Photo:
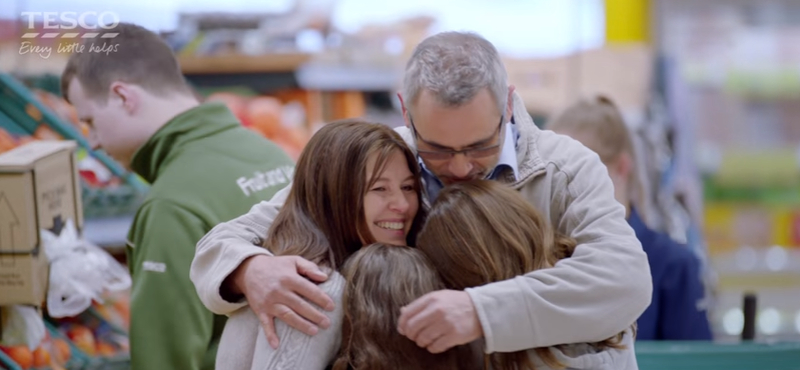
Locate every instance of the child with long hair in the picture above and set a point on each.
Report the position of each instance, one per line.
(480, 232)
(381, 278)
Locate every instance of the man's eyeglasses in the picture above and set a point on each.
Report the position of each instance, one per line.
(443, 155)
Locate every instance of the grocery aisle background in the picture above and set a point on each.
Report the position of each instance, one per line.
(710, 89)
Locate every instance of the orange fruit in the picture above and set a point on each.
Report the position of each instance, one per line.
(264, 115)
(236, 103)
(105, 349)
(288, 147)
(83, 338)
(41, 357)
(21, 355)
(46, 133)
(62, 350)
(123, 308)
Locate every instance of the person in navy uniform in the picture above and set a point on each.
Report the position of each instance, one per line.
(676, 311)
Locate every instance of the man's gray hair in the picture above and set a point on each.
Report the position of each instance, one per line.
(455, 66)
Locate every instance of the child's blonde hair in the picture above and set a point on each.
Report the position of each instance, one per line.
(598, 124)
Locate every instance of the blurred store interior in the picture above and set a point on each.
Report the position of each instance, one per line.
(710, 89)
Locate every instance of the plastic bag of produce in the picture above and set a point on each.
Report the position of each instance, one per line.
(79, 272)
(22, 326)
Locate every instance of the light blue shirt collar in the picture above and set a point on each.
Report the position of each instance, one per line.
(508, 158)
(508, 155)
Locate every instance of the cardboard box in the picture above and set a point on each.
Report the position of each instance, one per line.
(545, 85)
(38, 190)
(624, 73)
(549, 85)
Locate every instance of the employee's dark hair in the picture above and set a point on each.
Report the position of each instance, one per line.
(130, 53)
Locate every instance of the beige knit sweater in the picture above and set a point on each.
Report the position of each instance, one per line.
(244, 345)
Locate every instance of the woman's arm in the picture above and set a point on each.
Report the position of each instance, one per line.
(226, 246)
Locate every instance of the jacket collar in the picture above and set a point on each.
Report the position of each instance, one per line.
(529, 161)
(508, 154)
(193, 124)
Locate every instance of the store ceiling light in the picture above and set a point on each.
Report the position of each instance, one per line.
(733, 321)
(769, 321)
(776, 258)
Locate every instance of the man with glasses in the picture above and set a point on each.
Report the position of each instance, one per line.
(480, 154)
(455, 89)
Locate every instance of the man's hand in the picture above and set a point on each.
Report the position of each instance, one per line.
(277, 287)
(440, 320)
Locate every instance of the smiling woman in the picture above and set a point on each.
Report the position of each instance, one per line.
(356, 183)
(388, 212)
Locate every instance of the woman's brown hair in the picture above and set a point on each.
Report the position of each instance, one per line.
(482, 231)
(323, 218)
(381, 279)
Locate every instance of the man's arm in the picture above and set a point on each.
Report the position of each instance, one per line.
(170, 328)
(227, 246)
(243, 343)
(301, 351)
(229, 266)
(598, 292)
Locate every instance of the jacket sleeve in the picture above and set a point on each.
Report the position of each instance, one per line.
(681, 294)
(170, 328)
(226, 246)
(598, 292)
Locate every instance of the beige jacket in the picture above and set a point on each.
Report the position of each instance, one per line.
(598, 292)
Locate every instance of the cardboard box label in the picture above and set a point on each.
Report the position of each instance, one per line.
(9, 278)
(23, 279)
(55, 192)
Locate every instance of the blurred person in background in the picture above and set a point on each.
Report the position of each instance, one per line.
(465, 122)
(356, 183)
(676, 311)
(204, 167)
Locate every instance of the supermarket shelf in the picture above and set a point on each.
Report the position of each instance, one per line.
(269, 73)
(352, 78)
(236, 64)
(109, 233)
(261, 82)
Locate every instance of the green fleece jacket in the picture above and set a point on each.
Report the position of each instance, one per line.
(205, 168)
